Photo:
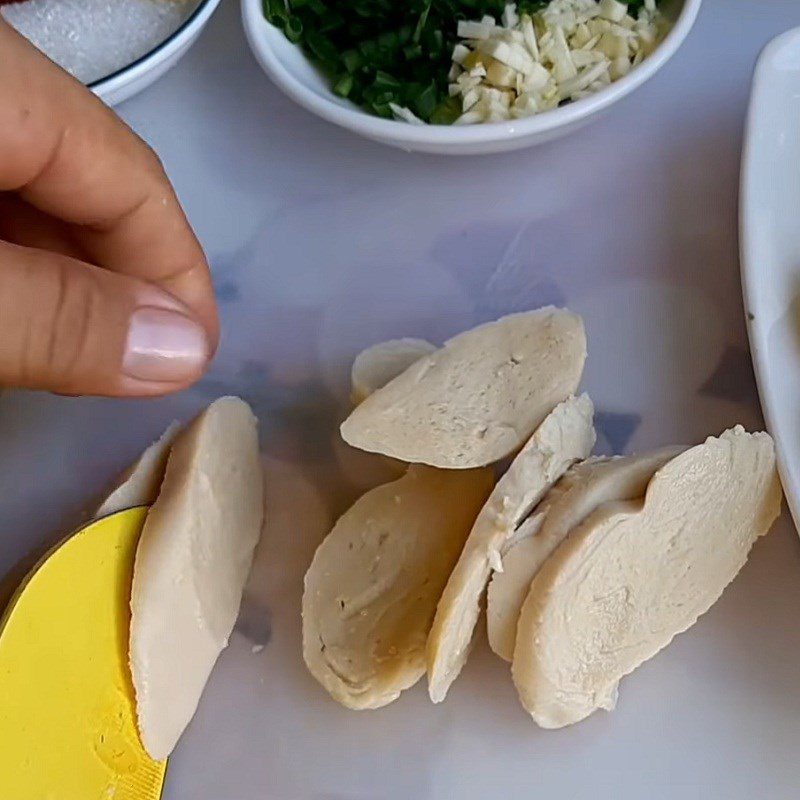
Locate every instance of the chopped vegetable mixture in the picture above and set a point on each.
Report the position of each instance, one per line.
(397, 59)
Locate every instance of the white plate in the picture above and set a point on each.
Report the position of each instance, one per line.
(770, 247)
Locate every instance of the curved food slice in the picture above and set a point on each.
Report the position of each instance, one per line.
(637, 573)
(582, 490)
(477, 399)
(565, 436)
(372, 588)
(139, 484)
(191, 565)
(374, 367)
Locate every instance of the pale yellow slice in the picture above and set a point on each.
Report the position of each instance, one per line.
(480, 397)
(191, 565)
(582, 490)
(637, 573)
(372, 588)
(381, 363)
(566, 435)
(140, 483)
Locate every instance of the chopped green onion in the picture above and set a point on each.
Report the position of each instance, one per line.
(422, 21)
(369, 49)
(331, 21)
(321, 46)
(343, 86)
(352, 60)
(383, 110)
(386, 81)
(293, 29)
(447, 112)
(275, 11)
(425, 102)
(389, 41)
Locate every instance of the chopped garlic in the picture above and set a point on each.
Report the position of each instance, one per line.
(529, 64)
(620, 67)
(538, 80)
(613, 10)
(499, 74)
(510, 18)
(529, 37)
(583, 81)
(581, 37)
(511, 54)
(405, 114)
(612, 46)
(460, 53)
(563, 66)
(470, 98)
(474, 30)
(585, 58)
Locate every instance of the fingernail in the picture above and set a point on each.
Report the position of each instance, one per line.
(164, 346)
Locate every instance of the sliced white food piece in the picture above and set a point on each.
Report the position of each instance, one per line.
(139, 484)
(191, 566)
(637, 573)
(372, 588)
(374, 367)
(582, 490)
(477, 399)
(566, 435)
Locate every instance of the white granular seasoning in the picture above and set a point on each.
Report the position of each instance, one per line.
(93, 38)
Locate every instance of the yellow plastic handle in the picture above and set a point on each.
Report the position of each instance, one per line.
(67, 718)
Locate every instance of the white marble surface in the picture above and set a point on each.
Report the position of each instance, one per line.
(322, 243)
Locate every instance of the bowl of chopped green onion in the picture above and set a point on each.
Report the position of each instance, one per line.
(463, 76)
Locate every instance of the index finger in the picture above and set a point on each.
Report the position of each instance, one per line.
(67, 154)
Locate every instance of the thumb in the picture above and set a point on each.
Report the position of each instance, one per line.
(72, 328)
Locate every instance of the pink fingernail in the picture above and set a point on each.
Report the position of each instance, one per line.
(164, 346)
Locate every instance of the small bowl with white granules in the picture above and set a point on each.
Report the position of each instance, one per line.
(463, 77)
(115, 47)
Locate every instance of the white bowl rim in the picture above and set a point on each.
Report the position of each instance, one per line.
(161, 51)
(376, 127)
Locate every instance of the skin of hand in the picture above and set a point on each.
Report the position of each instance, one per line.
(104, 288)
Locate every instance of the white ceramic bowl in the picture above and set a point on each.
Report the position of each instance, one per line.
(139, 74)
(289, 68)
(770, 247)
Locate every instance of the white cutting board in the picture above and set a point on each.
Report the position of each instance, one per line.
(323, 243)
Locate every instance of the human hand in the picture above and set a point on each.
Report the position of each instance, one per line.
(104, 289)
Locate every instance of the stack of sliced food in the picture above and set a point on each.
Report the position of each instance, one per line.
(589, 565)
